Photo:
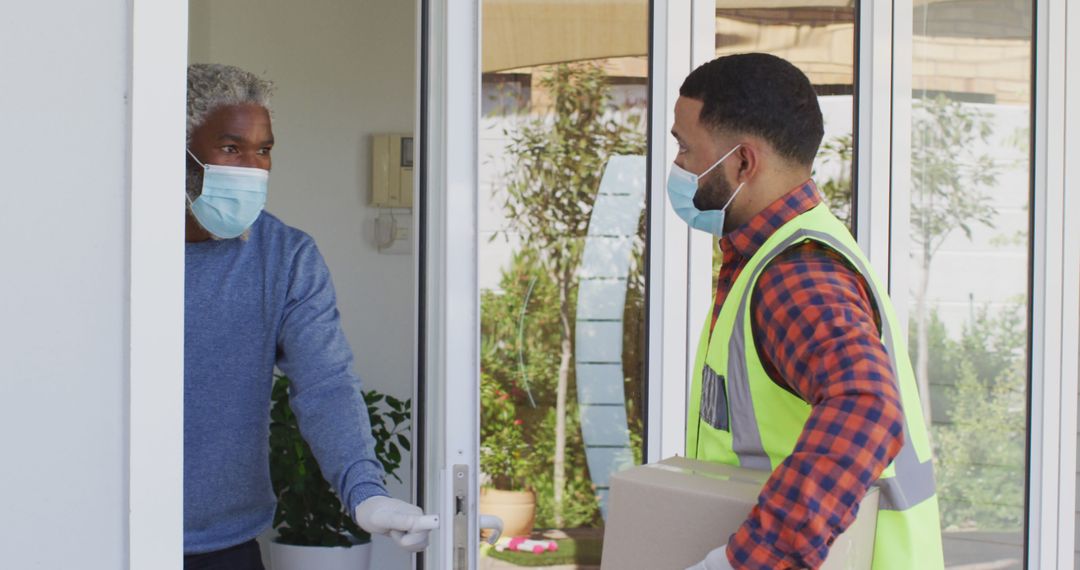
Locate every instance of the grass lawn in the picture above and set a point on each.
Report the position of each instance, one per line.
(585, 552)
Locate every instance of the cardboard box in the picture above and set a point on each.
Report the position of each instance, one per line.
(669, 515)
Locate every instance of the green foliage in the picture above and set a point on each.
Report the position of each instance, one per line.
(581, 506)
(504, 456)
(309, 513)
(979, 448)
(634, 346)
(520, 331)
(519, 358)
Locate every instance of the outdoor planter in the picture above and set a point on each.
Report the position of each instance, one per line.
(517, 509)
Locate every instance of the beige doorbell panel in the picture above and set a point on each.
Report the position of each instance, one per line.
(392, 171)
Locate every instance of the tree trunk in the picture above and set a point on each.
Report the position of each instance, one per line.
(922, 339)
(559, 476)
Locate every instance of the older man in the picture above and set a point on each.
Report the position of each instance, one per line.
(258, 295)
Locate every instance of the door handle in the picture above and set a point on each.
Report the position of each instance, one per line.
(462, 502)
(495, 524)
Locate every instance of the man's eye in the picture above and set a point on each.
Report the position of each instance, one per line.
(264, 151)
(230, 149)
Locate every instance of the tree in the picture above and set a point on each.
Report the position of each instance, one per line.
(949, 179)
(557, 162)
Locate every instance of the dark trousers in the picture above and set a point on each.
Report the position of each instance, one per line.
(244, 556)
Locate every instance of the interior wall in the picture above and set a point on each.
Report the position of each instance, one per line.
(344, 69)
(64, 223)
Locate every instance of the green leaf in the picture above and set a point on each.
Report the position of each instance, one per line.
(309, 512)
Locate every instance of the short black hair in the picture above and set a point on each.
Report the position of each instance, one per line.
(763, 95)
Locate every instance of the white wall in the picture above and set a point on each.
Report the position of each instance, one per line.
(63, 284)
(344, 69)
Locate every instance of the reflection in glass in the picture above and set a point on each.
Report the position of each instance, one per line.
(563, 154)
(969, 264)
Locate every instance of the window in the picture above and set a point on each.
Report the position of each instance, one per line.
(968, 265)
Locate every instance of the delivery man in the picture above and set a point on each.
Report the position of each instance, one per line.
(802, 367)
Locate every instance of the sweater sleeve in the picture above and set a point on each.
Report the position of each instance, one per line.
(326, 395)
(815, 328)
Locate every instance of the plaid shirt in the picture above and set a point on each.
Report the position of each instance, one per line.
(817, 334)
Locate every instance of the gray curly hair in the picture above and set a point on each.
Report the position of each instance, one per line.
(212, 85)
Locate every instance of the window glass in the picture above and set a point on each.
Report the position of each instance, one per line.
(968, 265)
(562, 286)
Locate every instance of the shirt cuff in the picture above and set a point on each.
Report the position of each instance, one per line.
(748, 552)
(362, 492)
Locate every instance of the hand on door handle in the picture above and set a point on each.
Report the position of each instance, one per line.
(406, 524)
(495, 524)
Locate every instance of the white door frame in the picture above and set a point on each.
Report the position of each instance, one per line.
(1055, 298)
(159, 48)
(880, 79)
(452, 353)
(156, 284)
(670, 332)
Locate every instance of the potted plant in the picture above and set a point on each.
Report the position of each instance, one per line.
(314, 529)
(505, 460)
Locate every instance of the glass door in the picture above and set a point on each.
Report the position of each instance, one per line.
(962, 222)
(562, 191)
(535, 142)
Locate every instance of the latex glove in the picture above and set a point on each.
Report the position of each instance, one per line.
(716, 560)
(406, 524)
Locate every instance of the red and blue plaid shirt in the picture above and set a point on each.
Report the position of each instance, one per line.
(817, 333)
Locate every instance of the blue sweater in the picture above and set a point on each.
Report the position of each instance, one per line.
(251, 305)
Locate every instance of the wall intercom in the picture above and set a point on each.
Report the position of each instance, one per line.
(392, 171)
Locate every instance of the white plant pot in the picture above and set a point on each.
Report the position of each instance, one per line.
(289, 557)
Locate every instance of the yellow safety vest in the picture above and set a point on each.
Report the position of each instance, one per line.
(739, 416)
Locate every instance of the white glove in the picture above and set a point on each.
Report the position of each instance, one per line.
(716, 560)
(406, 524)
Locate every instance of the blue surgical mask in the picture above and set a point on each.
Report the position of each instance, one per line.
(232, 198)
(682, 186)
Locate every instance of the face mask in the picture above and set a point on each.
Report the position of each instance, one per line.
(232, 198)
(682, 186)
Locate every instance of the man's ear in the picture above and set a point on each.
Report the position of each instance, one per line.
(748, 158)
